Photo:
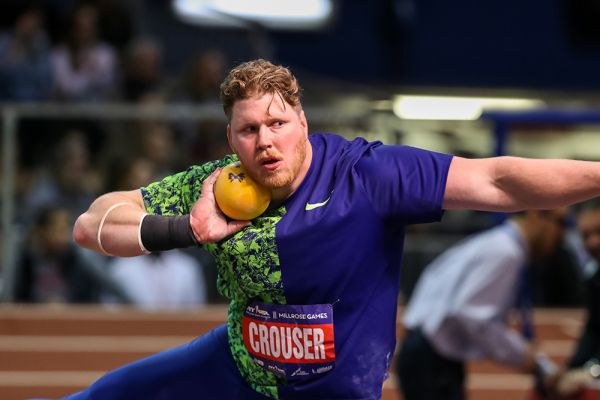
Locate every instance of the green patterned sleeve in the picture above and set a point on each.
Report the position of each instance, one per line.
(176, 194)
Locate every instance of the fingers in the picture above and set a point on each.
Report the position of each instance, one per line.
(236, 226)
(220, 231)
(209, 183)
(572, 382)
(208, 221)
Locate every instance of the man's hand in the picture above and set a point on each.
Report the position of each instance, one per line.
(546, 374)
(572, 382)
(208, 223)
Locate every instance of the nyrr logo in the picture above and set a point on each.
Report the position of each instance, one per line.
(256, 311)
(259, 361)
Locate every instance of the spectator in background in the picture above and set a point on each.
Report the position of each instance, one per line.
(128, 173)
(584, 366)
(25, 68)
(84, 67)
(161, 280)
(560, 282)
(51, 269)
(70, 182)
(158, 145)
(142, 69)
(204, 140)
(202, 78)
(459, 309)
(115, 21)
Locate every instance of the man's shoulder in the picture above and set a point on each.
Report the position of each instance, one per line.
(203, 170)
(337, 139)
(214, 164)
(339, 148)
(175, 193)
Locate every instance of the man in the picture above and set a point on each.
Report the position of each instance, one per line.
(584, 366)
(313, 282)
(459, 309)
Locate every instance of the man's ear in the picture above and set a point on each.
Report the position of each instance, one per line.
(303, 122)
(229, 138)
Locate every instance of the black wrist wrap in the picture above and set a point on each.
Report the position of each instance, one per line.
(159, 233)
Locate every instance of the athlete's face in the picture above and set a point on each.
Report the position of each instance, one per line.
(271, 139)
(588, 223)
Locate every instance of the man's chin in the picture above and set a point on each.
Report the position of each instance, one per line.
(275, 181)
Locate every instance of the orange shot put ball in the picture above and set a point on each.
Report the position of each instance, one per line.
(238, 195)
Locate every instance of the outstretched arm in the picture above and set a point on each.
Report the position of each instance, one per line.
(513, 184)
(116, 224)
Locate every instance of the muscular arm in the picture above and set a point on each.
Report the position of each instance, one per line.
(119, 234)
(512, 184)
(121, 227)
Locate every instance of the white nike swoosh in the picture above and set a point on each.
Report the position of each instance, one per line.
(312, 206)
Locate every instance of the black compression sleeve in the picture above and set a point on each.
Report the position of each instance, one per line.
(159, 233)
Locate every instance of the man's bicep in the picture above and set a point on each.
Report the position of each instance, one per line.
(471, 185)
(173, 195)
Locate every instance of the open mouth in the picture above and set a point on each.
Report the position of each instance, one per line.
(270, 162)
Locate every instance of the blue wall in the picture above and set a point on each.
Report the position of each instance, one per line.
(498, 43)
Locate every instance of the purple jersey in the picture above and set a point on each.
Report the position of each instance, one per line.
(340, 242)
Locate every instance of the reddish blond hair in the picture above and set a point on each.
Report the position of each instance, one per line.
(255, 78)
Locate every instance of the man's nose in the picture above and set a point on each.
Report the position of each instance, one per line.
(265, 138)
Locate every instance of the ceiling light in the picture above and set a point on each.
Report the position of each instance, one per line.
(276, 14)
(456, 108)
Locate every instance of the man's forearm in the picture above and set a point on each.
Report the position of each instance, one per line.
(111, 224)
(497, 341)
(510, 184)
(546, 184)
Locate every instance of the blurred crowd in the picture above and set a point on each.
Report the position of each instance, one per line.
(89, 52)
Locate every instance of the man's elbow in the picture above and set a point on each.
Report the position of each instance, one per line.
(84, 232)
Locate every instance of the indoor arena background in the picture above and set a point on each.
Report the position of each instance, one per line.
(475, 79)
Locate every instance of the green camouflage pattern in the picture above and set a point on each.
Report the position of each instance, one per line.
(177, 194)
(247, 262)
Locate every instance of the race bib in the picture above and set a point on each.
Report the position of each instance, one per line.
(292, 341)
